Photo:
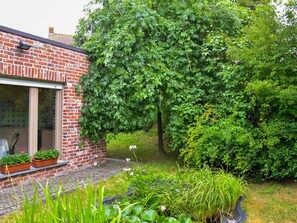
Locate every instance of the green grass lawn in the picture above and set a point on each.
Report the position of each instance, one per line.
(271, 202)
(147, 147)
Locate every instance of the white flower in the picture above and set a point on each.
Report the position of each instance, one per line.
(128, 160)
(132, 147)
(127, 169)
(163, 208)
(131, 174)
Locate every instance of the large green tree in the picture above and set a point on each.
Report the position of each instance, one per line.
(156, 57)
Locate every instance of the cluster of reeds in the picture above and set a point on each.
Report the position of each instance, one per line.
(202, 194)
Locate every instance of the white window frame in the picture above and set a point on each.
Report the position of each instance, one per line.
(29, 83)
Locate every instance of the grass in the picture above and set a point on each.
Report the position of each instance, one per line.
(268, 202)
(147, 146)
(83, 205)
(272, 202)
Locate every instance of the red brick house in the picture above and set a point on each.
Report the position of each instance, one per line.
(39, 106)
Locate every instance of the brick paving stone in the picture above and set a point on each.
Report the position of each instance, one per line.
(11, 198)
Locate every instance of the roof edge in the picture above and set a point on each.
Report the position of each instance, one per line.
(41, 39)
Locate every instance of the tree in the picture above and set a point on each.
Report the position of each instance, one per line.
(155, 57)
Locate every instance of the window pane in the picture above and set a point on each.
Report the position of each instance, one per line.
(46, 118)
(14, 105)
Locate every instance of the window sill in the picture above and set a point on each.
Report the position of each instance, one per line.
(33, 169)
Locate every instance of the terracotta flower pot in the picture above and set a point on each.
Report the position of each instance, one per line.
(41, 163)
(15, 168)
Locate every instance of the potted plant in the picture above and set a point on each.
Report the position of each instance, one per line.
(14, 163)
(45, 158)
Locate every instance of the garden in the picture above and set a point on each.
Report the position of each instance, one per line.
(200, 98)
(160, 189)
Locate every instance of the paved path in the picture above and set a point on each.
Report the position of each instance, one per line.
(11, 198)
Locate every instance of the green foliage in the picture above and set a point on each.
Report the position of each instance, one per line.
(14, 159)
(263, 145)
(268, 58)
(202, 194)
(150, 56)
(184, 57)
(46, 154)
(84, 205)
(222, 143)
(258, 137)
(126, 212)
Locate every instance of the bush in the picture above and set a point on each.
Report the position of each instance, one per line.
(262, 145)
(223, 143)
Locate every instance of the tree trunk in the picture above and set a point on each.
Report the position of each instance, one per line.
(160, 133)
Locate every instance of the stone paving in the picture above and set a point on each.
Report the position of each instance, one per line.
(11, 198)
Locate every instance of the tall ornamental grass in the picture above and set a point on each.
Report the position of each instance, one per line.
(204, 194)
(84, 206)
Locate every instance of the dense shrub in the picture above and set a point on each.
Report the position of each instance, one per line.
(261, 144)
(258, 135)
(221, 143)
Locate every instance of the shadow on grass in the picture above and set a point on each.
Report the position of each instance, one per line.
(147, 147)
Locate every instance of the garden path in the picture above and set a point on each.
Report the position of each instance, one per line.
(11, 198)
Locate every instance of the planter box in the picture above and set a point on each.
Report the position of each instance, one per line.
(42, 163)
(15, 168)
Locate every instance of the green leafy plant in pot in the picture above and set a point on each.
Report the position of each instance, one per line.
(14, 163)
(45, 158)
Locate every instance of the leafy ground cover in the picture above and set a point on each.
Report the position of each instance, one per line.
(266, 202)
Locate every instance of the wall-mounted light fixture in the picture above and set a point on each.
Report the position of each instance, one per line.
(23, 45)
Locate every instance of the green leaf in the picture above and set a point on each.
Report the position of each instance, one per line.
(150, 215)
(137, 210)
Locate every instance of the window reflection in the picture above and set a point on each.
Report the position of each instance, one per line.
(46, 119)
(14, 105)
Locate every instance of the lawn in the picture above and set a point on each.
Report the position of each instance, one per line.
(274, 202)
(146, 142)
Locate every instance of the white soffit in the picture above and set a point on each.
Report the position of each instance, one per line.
(27, 83)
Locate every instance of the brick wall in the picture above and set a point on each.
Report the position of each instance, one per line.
(26, 178)
(48, 62)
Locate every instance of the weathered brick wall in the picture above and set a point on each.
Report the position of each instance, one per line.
(30, 177)
(47, 62)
